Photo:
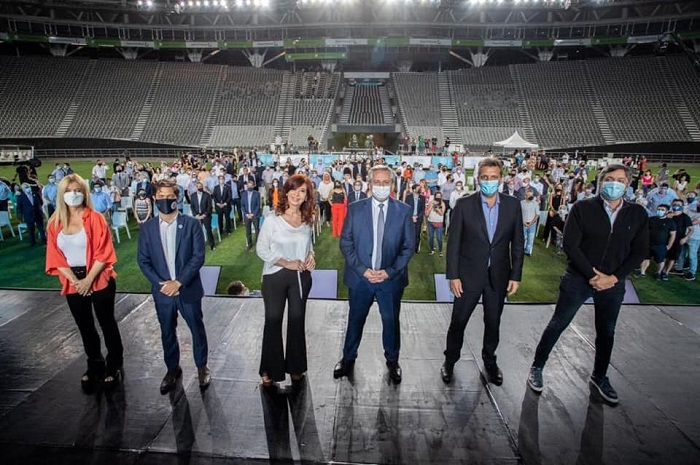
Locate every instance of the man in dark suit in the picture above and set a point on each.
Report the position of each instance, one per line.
(356, 193)
(417, 204)
(484, 260)
(348, 184)
(250, 205)
(236, 198)
(377, 243)
(170, 255)
(244, 179)
(201, 210)
(29, 205)
(144, 183)
(401, 184)
(222, 203)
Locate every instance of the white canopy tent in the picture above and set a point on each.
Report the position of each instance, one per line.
(515, 142)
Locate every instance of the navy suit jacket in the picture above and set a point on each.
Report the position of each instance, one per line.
(254, 203)
(357, 241)
(189, 258)
(469, 249)
(28, 212)
(410, 199)
(351, 196)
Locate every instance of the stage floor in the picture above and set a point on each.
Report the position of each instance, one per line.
(46, 418)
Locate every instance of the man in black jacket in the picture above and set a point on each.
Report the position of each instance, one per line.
(417, 203)
(605, 238)
(222, 203)
(201, 210)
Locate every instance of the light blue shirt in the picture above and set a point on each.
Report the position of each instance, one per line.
(50, 191)
(491, 215)
(4, 191)
(101, 201)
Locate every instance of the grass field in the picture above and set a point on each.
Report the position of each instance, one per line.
(23, 267)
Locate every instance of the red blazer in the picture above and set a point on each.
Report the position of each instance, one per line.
(99, 248)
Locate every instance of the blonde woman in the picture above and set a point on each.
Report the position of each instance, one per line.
(80, 252)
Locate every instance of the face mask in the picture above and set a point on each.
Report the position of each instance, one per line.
(201, 189)
(488, 188)
(142, 196)
(275, 184)
(381, 193)
(589, 191)
(691, 199)
(438, 199)
(459, 188)
(677, 208)
(660, 213)
(98, 189)
(166, 206)
(529, 197)
(27, 190)
(562, 214)
(613, 190)
(537, 179)
(73, 199)
(52, 181)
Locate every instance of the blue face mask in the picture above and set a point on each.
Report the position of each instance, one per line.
(613, 190)
(27, 190)
(52, 181)
(691, 199)
(98, 189)
(660, 213)
(488, 188)
(677, 208)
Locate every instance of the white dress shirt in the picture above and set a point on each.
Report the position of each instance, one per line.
(375, 219)
(280, 240)
(168, 237)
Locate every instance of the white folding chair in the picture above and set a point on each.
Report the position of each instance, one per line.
(119, 221)
(5, 221)
(232, 215)
(22, 227)
(186, 209)
(215, 225)
(542, 221)
(128, 204)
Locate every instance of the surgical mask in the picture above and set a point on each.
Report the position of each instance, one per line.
(562, 214)
(536, 180)
(52, 181)
(381, 193)
(27, 190)
(73, 199)
(275, 184)
(98, 189)
(200, 189)
(613, 190)
(166, 206)
(589, 191)
(677, 208)
(660, 213)
(488, 188)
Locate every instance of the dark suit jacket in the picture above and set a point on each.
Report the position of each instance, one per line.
(254, 203)
(189, 258)
(28, 212)
(410, 200)
(357, 241)
(206, 204)
(351, 196)
(243, 180)
(401, 185)
(145, 186)
(469, 249)
(222, 197)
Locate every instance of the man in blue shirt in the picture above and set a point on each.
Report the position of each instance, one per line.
(4, 196)
(431, 177)
(50, 191)
(100, 199)
(661, 196)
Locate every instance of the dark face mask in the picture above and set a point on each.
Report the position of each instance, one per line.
(166, 206)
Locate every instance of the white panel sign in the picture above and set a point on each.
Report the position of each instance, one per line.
(345, 42)
(503, 43)
(268, 43)
(431, 42)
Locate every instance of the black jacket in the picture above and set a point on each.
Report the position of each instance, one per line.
(206, 204)
(589, 242)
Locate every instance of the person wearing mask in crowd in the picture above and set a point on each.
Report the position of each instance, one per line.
(143, 184)
(555, 202)
(558, 223)
(250, 205)
(661, 196)
(267, 177)
(121, 180)
(339, 202)
(143, 209)
(402, 184)
(459, 175)
(182, 179)
(5, 194)
(171, 255)
(484, 261)
(348, 183)
(222, 203)
(58, 172)
(681, 184)
(315, 178)
(531, 213)
(81, 254)
(377, 242)
(244, 179)
(101, 200)
(447, 189)
(587, 193)
(436, 222)
(431, 178)
(49, 194)
(690, 257)
(684, 229)
(200, 204)
(99, 172)
(416, 201)
(662, 175)
(509, 189)
(324, 190)
(419, 174)
(29, 210)
(522, 192)
(457, 194)
(285, 247)
(274, 194)
(235, 198)
(605, 238)
(358, 192)
(115, 199)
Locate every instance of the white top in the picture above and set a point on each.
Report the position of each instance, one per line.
(530, 209)
(375, 219)
(324, 190)
(168, 238)
(74, 247)
(280, 240)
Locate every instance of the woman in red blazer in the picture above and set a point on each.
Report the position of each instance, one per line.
(80, 252)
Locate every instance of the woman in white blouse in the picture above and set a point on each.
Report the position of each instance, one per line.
(285, 246)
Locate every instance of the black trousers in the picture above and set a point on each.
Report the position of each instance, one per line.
(291, 288)
(325, 207)
(249, 223)
(32, 227)
(417, 226)
(224, 215)
(103, 304)
(206, 221)
(462, 309)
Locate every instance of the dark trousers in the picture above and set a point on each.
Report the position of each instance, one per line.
(290, 288)
(389, 301)
(32, 227)
(4, 205)
(166, 309)
(102, 302)
(236, 204)
(224, 215)
(462, 309)
(548, 228)
(325, 207)
(206, 222)
(417, 229)
(249, 223)
(574, 290)
(51, 208)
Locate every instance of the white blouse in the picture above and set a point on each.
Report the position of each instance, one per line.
(74, 247)
(280, 240)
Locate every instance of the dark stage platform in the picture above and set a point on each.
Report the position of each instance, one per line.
(45, 418)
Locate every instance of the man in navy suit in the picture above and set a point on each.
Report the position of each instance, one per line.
(170, 255)
(377, 242)
(201, 210)
(29, 205)
(222, 203)
(484, 261)
(417, 203)
(356, 194)
(250, 206)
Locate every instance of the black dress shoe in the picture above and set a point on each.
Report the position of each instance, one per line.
(204, 377)
(446, 371)
(494, 375)
(169, 380)
(343, 368)
(394, 371)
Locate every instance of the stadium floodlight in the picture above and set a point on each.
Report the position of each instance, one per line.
(239, 3)
(206, 3)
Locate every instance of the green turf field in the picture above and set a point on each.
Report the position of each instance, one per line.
(23, 267)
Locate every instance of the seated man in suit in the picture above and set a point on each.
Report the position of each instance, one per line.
(356, 193)
(170, 255)
(484, 261)
(376, 266)
(201, 210)
(250, 206)
(29, 205)
(222, 203)
(417, 203)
